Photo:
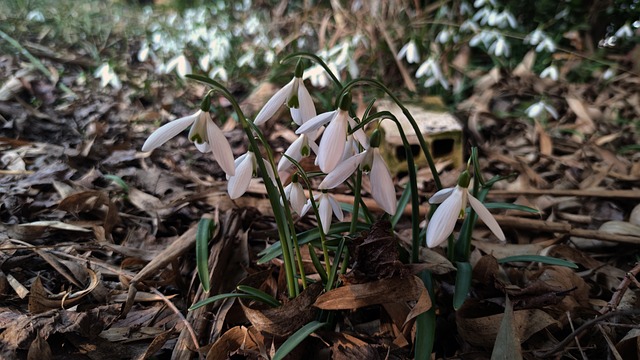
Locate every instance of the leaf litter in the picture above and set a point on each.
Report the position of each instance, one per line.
(90, 269)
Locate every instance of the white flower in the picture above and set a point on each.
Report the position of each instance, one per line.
(535, 37)
(506, 18)
(453, 202)
(295, 194)
(550, 72)
(546, 44)
(205, 134)
(107, 76)
(327, 206)
(246, 166)
(624, 31)
(296, 96)
(500, 47)
(410, 52)
(181, 64)
(608, 74)
(431, 70)
(334, 138)
(535, 110)
(371, 162)
(300, 148)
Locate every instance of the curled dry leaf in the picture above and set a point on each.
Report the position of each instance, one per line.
(283, 320)
(237, 340)
(92, 200)
(40, 301)
(482, 330)
(392, 290)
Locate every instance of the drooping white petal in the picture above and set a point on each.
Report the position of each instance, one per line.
(307, 107)
(342, 171)
(486, 217)
(440, 195)
(359, 134)
(272, 106)
(382, 188)
(239, 183)
(335, 206)
(294, 151)
(297, 198)
(220, 148)
(269, 168)
(332, 143)
(324, 213)
(167, 131)
(444, 219)
(315, 122)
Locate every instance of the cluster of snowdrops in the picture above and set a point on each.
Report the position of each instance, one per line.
(343, 149)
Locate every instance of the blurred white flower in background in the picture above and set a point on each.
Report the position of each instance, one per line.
(624, 31)
(550, 72)
(538, 109)
(107, 76)
(409, 52)
(431, 70)
(35, 15)
(180, 64)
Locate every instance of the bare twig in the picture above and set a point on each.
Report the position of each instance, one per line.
(560, 346)
(622, 288)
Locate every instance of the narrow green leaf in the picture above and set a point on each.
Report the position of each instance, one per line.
(218, 297)
(463, 283)
(308, 236)
(334, 267)
(402, 203)
(538, 258)
(259, 295)
(118, 180)
(317, 264)
(295, 339)
(426, 324)
(508, 206)
(203, 235)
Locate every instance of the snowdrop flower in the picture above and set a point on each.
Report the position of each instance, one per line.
(295, 194)
(444, 35)
(334, 138)
(204, 133)
(536, 109)
(181, 64)
(371, 162)
(246, 166)
(550, 72)
(453, 202)
(107, 76)
(624, 31)
(431, 70)
(479, 3)
(469, 26)
(35, 15)
(327, 206)
(546, 44)
(295, 96)
(535, 37)
(299, 149)
(500, 47)
(608, 74)
(506, 18)
(410, 52)
(465, 8)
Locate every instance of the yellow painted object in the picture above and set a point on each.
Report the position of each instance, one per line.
(441, 130)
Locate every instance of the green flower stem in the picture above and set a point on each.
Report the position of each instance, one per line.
(273, 193)
(314, 206)
(357, 188)
(412, 121)
(315, 58)
(413, 183)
